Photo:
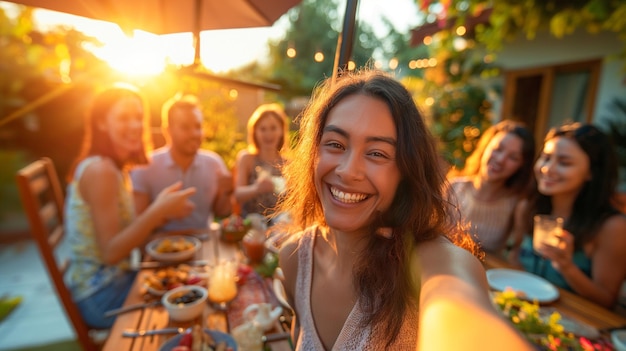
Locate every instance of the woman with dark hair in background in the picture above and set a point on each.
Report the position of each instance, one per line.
(576, 177)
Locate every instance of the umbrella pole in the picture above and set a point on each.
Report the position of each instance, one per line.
(196, 33)
(345, 40)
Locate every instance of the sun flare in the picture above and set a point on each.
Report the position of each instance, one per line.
(140, 54)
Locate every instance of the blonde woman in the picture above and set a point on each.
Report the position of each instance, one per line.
(258, 177)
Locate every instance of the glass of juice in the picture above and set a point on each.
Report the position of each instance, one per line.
(254, 246)
(223, 284)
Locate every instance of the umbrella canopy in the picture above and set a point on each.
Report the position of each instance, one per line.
(173, 16)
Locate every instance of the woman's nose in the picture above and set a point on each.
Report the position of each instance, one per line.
(351, 167)
(546, 167)
(136, 123)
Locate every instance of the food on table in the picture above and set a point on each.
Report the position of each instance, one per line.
(185, 297)
(544, 330)
(173, 245)
(235, 227)
(172, 277)
(235, 223)
(268, 265)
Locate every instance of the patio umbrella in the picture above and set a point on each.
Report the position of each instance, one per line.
(173, 16)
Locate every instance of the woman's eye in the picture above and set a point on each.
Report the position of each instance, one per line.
(334, 145)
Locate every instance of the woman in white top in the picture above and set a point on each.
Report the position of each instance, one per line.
(495, 176)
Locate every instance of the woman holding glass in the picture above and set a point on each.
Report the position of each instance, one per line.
(258, 178)
(576, 177)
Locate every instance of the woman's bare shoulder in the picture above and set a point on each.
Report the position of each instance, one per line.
(100, 170)
(612, 232)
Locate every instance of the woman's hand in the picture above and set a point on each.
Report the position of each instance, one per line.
(174, 203)
(264, 185)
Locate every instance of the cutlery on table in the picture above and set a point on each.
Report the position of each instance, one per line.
(138, 306)
(138, 333)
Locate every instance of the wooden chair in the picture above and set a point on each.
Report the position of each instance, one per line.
(43, 200)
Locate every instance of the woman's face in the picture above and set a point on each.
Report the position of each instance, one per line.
(124, 124)
(562, 168)
(356, 175)
(502, 157)
(268, 132)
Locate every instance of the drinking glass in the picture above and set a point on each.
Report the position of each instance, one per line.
(546, 231)
(223, 284)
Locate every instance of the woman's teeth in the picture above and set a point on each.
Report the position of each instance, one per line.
(346, 197)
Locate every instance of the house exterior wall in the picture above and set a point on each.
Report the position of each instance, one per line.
(546, 50)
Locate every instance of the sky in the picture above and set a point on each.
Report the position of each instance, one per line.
(221, 50)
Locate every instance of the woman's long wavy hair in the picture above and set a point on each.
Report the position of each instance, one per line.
(418, 213)
(519, 181)
(593, 204)
(97, 141)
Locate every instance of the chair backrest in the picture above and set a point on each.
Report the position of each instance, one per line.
(43, 201)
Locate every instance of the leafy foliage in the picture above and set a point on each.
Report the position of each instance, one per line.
(510, 18)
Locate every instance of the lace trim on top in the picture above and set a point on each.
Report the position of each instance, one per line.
(353, 335)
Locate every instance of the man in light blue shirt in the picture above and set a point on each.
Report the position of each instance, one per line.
(181, 159)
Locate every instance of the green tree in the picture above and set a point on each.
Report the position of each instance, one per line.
(314, 27)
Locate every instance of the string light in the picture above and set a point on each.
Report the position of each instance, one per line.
(319, 56)
(393, 63)
(291, 52)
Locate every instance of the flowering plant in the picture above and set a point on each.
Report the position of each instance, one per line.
(545, 332)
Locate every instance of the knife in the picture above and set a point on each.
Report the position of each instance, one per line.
(120, 310)
(137, 333)
(155, 264)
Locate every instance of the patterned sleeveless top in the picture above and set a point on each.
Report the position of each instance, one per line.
(88, 274)
(353, 335)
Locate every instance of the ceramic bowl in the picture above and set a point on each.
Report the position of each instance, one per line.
(173, 248)
(185, 303)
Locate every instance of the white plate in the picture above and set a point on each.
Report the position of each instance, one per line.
(534, 287)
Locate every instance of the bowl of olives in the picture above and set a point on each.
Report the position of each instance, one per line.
(185, 303)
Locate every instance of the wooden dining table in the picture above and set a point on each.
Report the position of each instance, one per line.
(213, 249)
(572, 305)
